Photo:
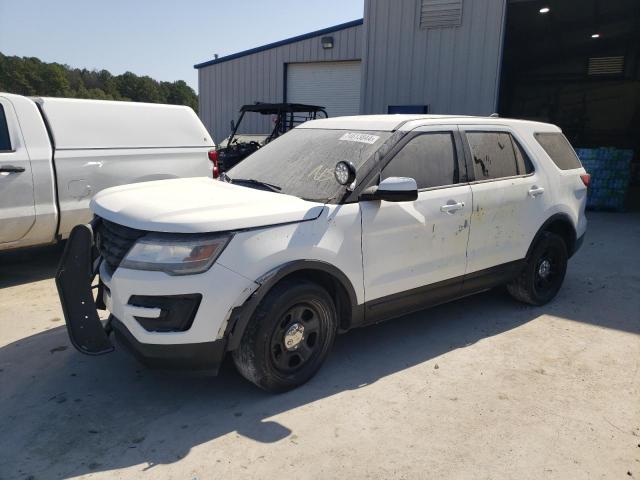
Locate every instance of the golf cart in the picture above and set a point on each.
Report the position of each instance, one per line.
(286, 116)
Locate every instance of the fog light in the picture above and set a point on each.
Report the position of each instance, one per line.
(177, 312)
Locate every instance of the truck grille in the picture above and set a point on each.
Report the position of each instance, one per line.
(114, 241)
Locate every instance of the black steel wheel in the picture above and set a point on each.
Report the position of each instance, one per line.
(295, 339)
(289, 336)
(544, 273)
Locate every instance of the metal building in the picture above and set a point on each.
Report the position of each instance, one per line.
(398, 59)
(575, 63)
(300, 69)
(439, 55)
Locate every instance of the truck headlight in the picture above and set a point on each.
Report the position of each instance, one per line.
(175, 255)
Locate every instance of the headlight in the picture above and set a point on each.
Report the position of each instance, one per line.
(175, 255)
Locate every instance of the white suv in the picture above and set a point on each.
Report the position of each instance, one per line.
(338, 224)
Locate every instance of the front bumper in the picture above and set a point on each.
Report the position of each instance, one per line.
(201, 345)
(191, 356)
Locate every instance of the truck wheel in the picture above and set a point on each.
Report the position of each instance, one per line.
(288, 337)
(542, 277)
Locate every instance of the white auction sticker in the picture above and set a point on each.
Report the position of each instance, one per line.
(359, 137)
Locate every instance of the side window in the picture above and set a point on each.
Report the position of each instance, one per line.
(493, 155)
(525, 166)
(559, 149)
(430, 158)
(5, 141)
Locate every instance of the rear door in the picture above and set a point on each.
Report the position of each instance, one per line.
(510, 197)
(17, 209)
(414, 253)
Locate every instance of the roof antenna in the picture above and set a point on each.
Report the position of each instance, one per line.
(494, 115)
(215, 56)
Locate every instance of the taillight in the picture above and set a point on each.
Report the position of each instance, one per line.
(586, 178)
(213, 156)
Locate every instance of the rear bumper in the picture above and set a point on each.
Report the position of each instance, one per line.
(191, 356)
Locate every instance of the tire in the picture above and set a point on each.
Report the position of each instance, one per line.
(539, 282)
(263, 356)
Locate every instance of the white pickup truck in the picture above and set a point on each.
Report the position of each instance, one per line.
(56, 153)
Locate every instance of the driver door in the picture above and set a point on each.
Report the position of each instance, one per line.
(17, 207)
(414, 253)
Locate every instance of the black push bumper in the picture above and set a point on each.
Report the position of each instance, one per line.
(75, 274)
(89, 335)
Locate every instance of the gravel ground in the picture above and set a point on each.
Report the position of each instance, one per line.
(480, 388)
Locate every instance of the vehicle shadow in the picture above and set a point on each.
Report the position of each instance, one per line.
(29, 265)
(65, 414)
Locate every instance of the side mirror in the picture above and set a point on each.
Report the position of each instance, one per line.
(393, 189)
(233, 125)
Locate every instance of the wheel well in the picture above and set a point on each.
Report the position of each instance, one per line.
(564, 229)
(332, 285)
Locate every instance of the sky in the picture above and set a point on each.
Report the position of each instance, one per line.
(159, 38)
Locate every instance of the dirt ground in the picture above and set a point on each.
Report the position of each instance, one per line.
(481, 388)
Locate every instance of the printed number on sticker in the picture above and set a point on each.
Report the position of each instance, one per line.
(359, 137)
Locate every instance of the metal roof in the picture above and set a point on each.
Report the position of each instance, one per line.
(286, 41)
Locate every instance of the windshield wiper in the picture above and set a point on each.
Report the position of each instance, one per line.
(257, 183)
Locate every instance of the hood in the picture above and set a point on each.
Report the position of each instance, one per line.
(198, 205)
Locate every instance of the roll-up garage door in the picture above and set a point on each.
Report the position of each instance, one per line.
(334, 85)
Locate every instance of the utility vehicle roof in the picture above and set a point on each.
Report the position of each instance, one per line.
(275, 108)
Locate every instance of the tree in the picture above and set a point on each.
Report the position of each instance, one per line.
(181, 94)
(30, 76)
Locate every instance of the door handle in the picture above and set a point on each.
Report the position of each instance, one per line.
(535, 191)
(451, 207)
(11, 169)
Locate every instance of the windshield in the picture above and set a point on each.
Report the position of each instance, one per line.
(302, 161)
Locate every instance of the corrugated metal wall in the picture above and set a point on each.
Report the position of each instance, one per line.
(453, 70)
(224, 87)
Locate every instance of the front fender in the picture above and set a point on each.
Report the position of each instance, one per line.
(240, 316)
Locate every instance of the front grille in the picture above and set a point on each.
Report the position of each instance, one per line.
(114, 241)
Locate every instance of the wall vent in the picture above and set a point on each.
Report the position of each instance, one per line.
(440, 13)
(605, 66)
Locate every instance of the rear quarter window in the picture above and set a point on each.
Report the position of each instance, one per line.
(559, 149)
(5, 141)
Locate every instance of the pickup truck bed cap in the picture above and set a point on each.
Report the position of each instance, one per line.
(97, 124)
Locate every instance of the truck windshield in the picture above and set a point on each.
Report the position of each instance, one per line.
(301, 162)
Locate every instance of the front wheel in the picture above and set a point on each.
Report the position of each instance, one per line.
(289, 336)
(542, 277)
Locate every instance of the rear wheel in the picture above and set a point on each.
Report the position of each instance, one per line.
(542, 277)
(289, 336)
